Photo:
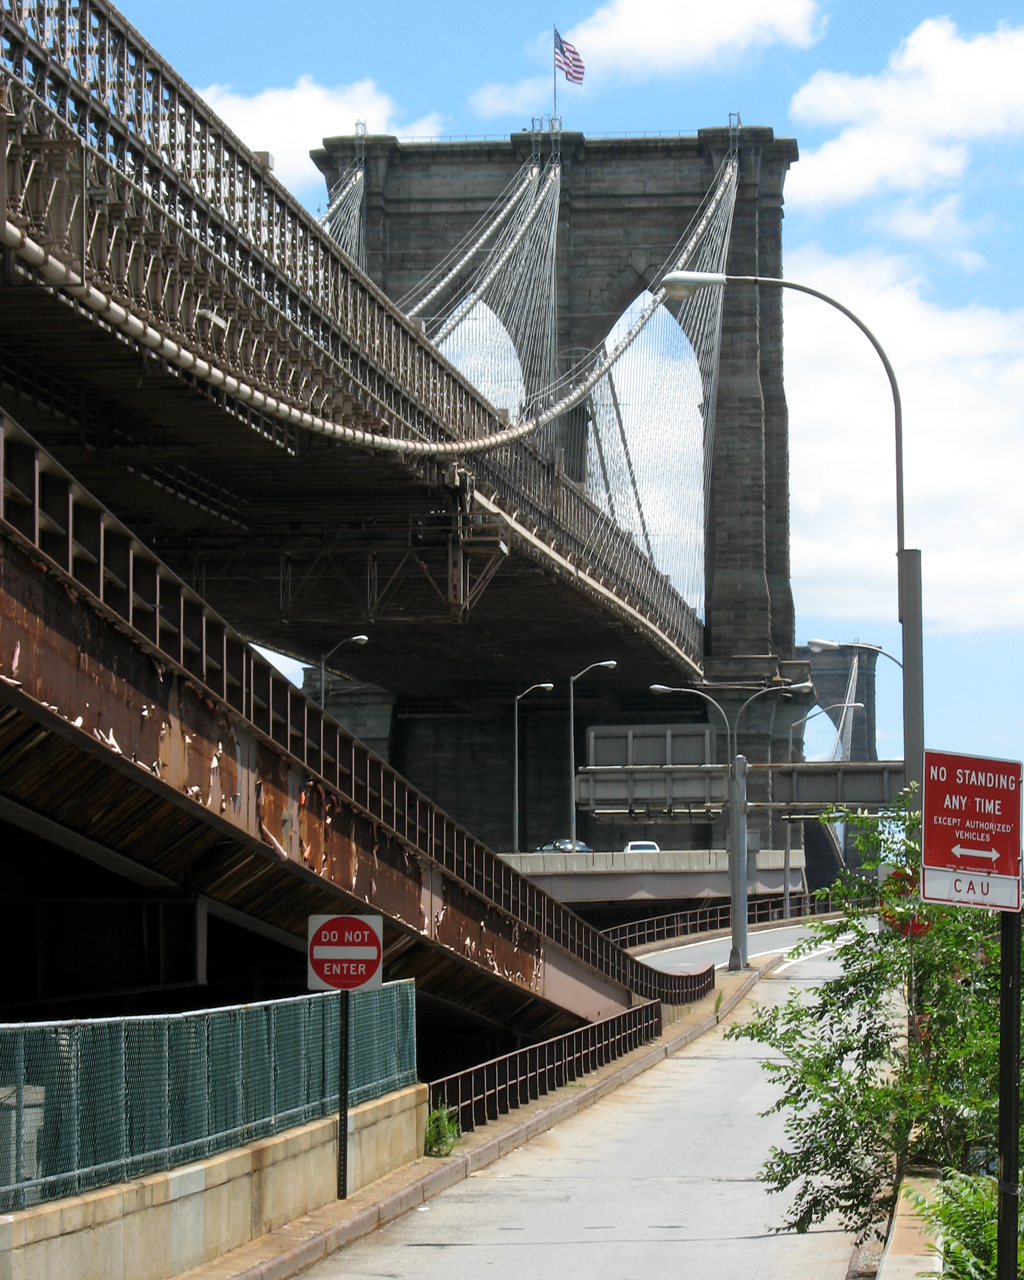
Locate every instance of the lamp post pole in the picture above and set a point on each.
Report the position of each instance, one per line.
(852, 706)
(547, 686)
(736, 780)
(360, 640)
(680, 285)
(609, 665)
(736, 801)
(738, 955)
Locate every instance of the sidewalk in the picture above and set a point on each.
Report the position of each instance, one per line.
(290, 1249)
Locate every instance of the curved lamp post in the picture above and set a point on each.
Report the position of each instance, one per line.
(737, 784)
(805, 686)
(852, 706)
(849, 706)
(830, 646)
(680, 285)
(547, 686)
(608, 665)
(360, 640)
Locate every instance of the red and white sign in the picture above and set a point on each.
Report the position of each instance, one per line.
(344, 953)
(971, 831)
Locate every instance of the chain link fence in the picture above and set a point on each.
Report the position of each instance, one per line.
(84, 1104)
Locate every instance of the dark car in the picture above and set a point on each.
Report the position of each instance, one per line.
(563, 846)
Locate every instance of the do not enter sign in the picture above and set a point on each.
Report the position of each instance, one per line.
(971, 831)
(344, 953)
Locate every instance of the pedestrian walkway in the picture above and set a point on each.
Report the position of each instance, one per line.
(657, 1179)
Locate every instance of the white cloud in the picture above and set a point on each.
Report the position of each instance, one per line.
(290, 122)
(528, 97)
(939, 225)
(911, 127)
(961, 375)
(643, 38)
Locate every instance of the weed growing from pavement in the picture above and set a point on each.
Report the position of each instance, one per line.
(442, 1131)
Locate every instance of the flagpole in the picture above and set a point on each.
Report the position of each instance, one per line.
(554, 78)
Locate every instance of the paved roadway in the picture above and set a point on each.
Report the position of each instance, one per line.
(657, 1180)
(698, 955)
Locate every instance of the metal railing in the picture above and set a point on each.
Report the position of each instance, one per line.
(87, 1103)
(495, 1088)
(680, 924)
(97, 556)
(118, 171)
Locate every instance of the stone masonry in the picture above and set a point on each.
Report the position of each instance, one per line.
(625, 203)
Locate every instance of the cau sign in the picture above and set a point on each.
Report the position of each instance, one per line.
(971, 831)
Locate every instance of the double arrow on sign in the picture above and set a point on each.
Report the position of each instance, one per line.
(960, 851)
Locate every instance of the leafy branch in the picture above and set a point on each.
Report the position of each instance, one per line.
(893, 1061)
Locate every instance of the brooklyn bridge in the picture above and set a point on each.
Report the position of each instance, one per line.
(459, 415)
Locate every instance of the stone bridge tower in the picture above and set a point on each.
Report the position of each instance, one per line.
(625, 202)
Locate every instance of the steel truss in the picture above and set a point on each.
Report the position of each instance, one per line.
(117, 172)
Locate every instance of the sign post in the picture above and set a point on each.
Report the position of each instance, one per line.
(970, 856)
(1009, 1095)
(344, 954)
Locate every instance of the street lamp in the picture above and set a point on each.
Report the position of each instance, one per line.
(805, 686)
(547, 686)
(680, 285)
(609, 665)
(360, 640)
(830, 646)
(852, 706)
(699, 693)
(737, 785)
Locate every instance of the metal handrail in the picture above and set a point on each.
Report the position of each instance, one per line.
(298, 729)
(492, 1089)
(680, 924)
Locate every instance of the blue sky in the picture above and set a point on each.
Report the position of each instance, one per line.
(905, 203)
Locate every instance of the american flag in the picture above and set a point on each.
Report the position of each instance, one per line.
(568, 60)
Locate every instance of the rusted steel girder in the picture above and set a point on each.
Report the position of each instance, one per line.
(104, 647)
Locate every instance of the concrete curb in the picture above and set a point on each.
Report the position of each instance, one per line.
(300, 1256)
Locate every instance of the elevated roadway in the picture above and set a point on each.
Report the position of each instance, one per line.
(189, 342)
(670, 875)
(138, 730)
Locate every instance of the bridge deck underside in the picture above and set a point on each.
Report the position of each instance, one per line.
(117, 814)
(299, 524)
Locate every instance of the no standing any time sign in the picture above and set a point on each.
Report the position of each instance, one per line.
(971, 831)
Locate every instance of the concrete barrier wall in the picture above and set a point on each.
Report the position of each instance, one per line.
(167, 1223)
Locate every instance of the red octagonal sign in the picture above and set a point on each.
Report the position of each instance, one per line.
(971, 831)
(344, 953)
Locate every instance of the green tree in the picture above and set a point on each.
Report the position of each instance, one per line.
(963, 1214)
(893, 1061)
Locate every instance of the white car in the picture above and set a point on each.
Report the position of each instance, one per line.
(641, 846)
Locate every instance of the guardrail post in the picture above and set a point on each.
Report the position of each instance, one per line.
(124, 1101)
(342, 1095)
(19, 1109)
(76, 1099)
